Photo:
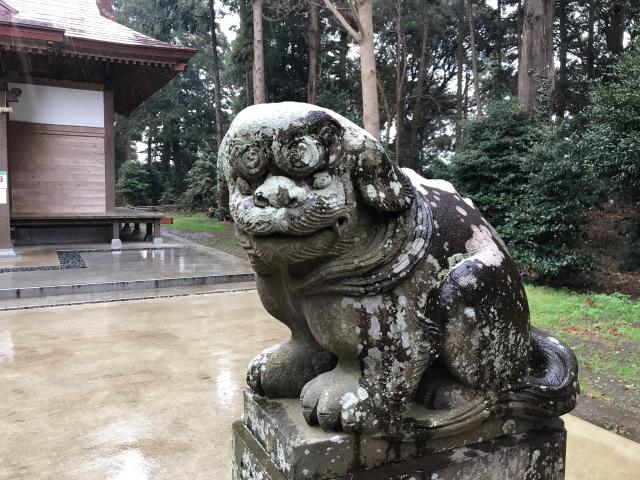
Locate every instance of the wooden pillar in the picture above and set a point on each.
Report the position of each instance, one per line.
(116, 243)
(109, 150)
(157, 239)
(6, 248)
(136, 232)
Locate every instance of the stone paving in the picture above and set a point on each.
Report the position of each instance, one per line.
(88, 269)
(113, 266)
(136, 390)
(148, 390)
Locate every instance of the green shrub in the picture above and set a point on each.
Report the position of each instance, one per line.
(543, 227)
(522, 176)
(489, 165)
(610, 144)
(201, 184)
(133, 183)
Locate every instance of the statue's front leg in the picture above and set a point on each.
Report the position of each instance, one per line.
(281, 371)
(376, 376)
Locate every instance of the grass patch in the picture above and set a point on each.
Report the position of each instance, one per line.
(613, 316)
(199, 228)
(196, 222)
(603, 330)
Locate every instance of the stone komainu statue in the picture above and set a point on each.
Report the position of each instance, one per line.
(406, 311)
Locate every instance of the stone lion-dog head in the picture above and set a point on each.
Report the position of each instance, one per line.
(294, 175)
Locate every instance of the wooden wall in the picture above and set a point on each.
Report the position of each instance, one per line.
(56, 169)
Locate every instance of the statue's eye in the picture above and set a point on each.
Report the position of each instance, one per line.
(251, 161)
(302, 157)
(329, 135)
(243, 186)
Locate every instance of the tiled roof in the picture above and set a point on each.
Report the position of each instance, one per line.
(85, 27)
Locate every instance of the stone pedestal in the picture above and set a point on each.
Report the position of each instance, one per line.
(273, 442)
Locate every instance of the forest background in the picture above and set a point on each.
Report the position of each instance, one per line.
(529, 107)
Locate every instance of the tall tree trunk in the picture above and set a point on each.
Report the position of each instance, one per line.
(149, 149)
(465, 96)
(259, 95)
(127, 147)
(519, 20)
(474, 57)
(617, 26)
(536, 59)
(388, 113)
(369, 75)
(216, 74)
(460, 75)
(165, 157)
(314, 53)
(401, 71)
(561, 92)
(343, 50)
(246, 87)
(591, 34)
(363, 13)
(499, 41)
(418, 113)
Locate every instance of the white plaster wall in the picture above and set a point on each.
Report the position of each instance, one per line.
(58, 106)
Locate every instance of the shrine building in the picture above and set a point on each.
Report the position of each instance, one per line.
(66, 66)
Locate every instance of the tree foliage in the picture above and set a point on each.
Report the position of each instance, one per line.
(532, 174)
(610, 144)
(132, 187)
(201, 184)
(520, 172)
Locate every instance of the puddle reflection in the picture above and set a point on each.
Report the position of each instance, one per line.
(6, 346)
(130, 464)
(226, 390)
(127, 463)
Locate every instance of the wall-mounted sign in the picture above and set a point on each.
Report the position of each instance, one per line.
(4, 185)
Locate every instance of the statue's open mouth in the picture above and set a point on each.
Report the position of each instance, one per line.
(337, 228)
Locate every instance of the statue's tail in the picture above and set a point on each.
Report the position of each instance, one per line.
(552, 385)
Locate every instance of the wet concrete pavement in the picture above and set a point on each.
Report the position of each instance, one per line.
(148, 389)
(136, 390)
(126, 265)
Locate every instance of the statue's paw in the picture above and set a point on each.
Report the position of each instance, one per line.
(282, 370)
(335, 401)
(254, 371)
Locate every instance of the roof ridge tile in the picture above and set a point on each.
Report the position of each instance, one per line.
(6, 9)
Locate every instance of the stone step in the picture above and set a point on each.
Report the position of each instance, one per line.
(120, 286)
(122, 296)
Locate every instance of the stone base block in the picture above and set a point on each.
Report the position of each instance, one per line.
(273, 442)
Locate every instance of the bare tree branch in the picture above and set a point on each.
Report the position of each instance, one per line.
(356, 15)
(343, 21)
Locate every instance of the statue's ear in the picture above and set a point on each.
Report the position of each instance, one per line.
(382, 184)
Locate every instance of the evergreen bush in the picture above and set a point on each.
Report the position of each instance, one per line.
(133, 184)
(201, 184)
(521, 175)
